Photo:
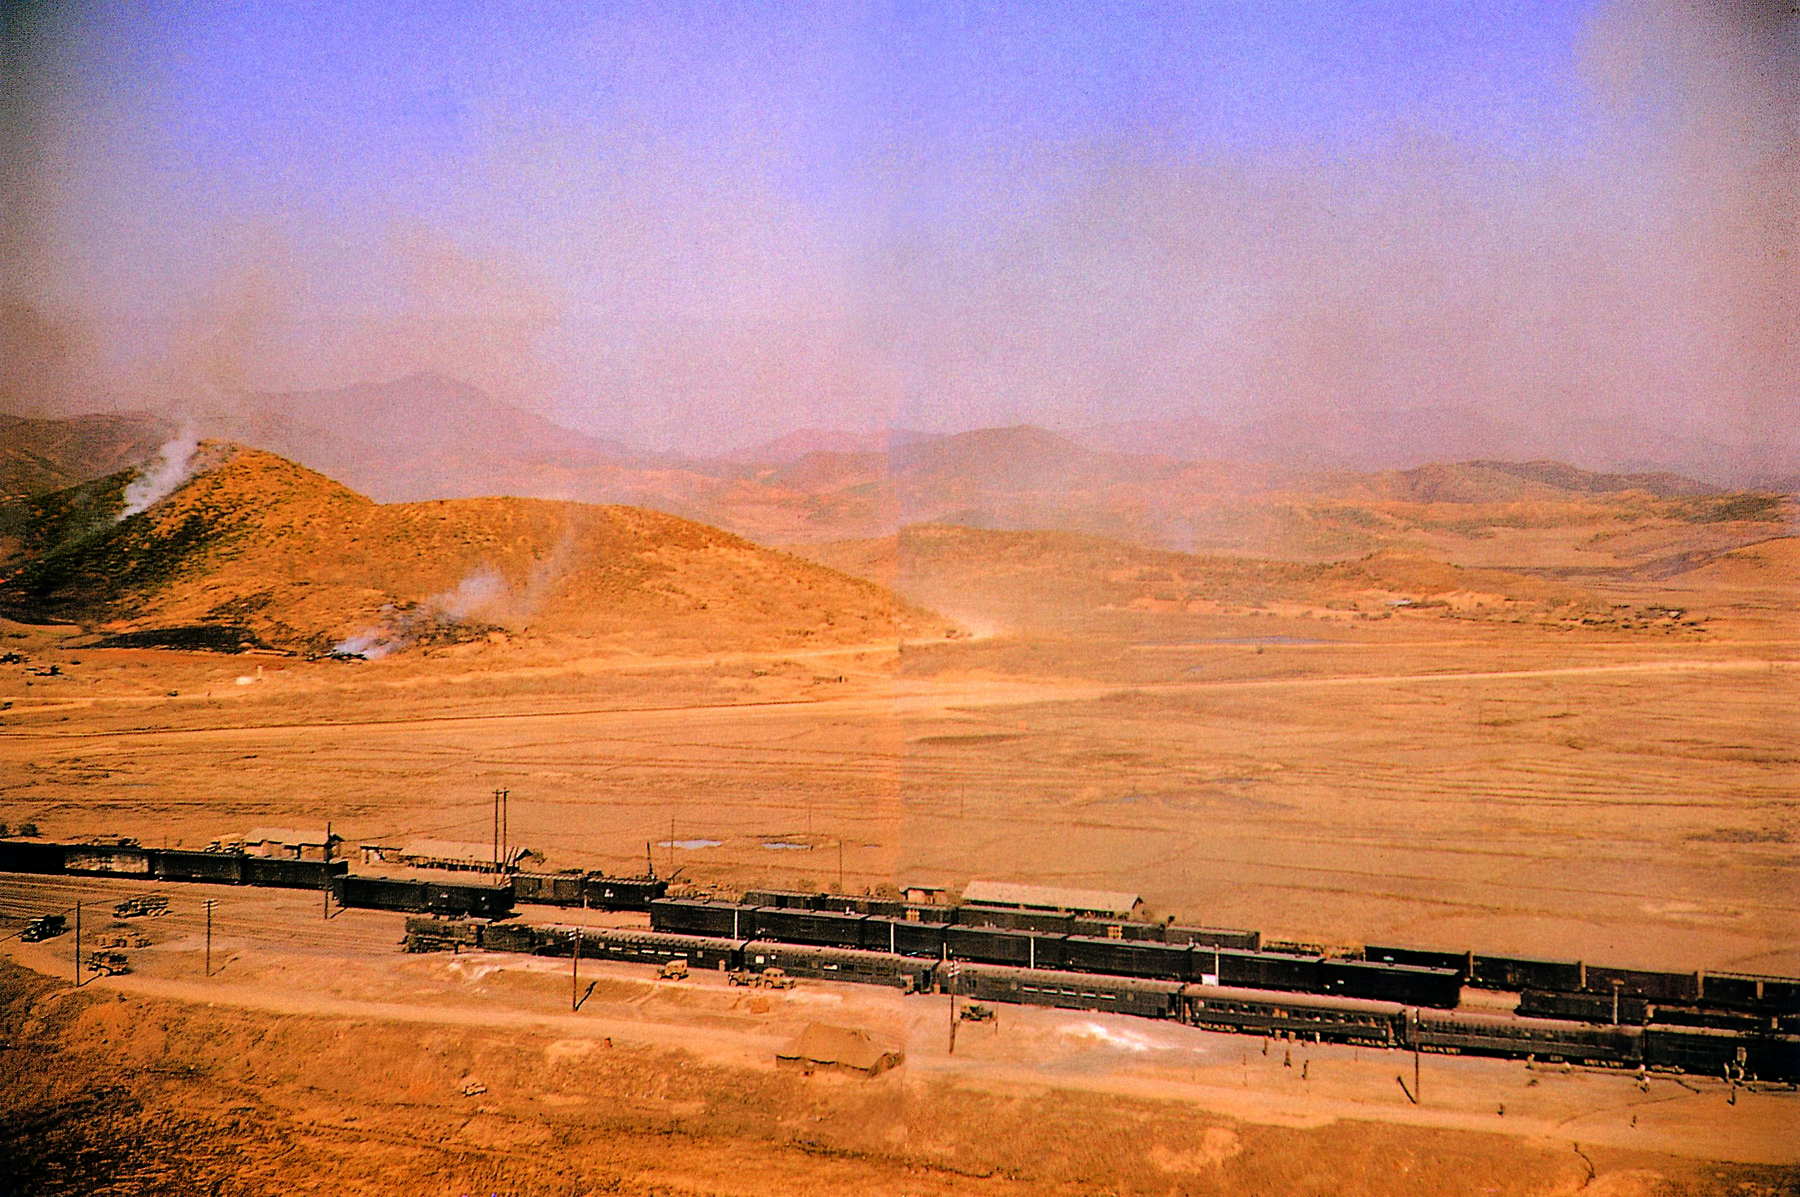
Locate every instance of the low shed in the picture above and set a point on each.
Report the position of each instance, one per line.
(847, 1049)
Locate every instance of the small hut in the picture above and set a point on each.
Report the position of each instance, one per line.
(845, 1049)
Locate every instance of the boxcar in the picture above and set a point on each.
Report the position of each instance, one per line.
(1517, 1038)
(992, 945)
(549, 889)
(1583, 1007)
(29, 856)
(1516, 975)
(1213, 937)
(1126, 958)
(1259, 970)
(685, 916)
(1335, 1020)
(300, 874)
(1012, 919)
(423, 897)
(221, 868)
(600, 892)
(825, 927)
(1070, 991)
(1407, 983)
(903, 937)
(1631, 982)
(1776, 995)
(790, 899)
(905, 973)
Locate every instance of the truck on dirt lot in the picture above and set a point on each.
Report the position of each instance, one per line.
(108, 963)
(768, 978)
(48, 926)
(132, 908)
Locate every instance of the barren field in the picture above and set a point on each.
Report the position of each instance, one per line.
(1619, 789)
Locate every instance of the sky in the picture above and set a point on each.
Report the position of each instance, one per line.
(696, 226)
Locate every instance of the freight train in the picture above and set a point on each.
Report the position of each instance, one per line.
(1316, 1016)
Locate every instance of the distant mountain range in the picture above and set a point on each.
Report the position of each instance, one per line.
(1268, 487)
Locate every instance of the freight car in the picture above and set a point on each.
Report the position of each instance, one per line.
(1515, 975)
(1260, 970)
(823, 927)
(29, 856)
(596, 891)
(1333, 1020)
(1411, 984)
(903, 937)
(297, 874)
(1708, 1051)
(1069, 991)
(1213, 937)
(423, 897)
(648, 947)
(220, 868)
(1584, 1007)
(905, 973)
(1128, 958)
(685, 916)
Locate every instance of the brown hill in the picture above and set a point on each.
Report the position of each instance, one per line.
(255, 548)
(39, 456)
(1057, 579)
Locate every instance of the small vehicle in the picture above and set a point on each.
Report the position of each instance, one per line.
(976, 1012)
(769, 978)
(675, 970)
(109, 964)
(132, 908)
(48, 926)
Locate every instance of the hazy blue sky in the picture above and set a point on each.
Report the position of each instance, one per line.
(704, 224)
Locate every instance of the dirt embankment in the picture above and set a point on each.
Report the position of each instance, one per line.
(105, 1093)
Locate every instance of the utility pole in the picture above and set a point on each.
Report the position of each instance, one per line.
(671, 845)
(496, 821)
(840, 864)
(955, 972)
(78, 945)
(325, 892)
(506, 826)
(575, 970)
(210, 903)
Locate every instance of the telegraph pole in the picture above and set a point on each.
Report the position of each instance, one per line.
(505, 828)
(78, 945)
(210, 903)
(840, 864)
(575, 970)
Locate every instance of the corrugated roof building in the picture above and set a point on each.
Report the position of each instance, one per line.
(1111, 903)
(291, 843)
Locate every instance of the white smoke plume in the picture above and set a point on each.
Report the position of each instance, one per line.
(483, 592)
(159, 477)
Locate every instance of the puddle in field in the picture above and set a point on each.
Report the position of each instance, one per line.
(689, 844)
(784, 846)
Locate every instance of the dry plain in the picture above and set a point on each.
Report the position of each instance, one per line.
(1618, 789)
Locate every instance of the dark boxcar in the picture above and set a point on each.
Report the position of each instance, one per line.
(685, 916)
(1125, 958)
(809, 926)
(381, 893)
(1517, 1038)
(648, 947)
(1213, 937)
(1744, 1022)
(223, 868)
(1420, 958)
(903, 937)
(1334, 1020)
(1777, 995)
(1658, 987)
(1415, 986)
(297, 874)
(992, 945)
(1071, 991)
(1012, 919)
(905, 973)
(1260, 970)
(787, 899)
(549, 889)
(601, 892)
(1710, 1052)
(27, 856)
(1583, 1007)
(1517, 975)
(483, 901)
(425, 933)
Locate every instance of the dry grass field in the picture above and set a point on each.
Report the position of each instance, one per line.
(1466, 750)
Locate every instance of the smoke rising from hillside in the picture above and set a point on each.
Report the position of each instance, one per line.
(162, 475)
